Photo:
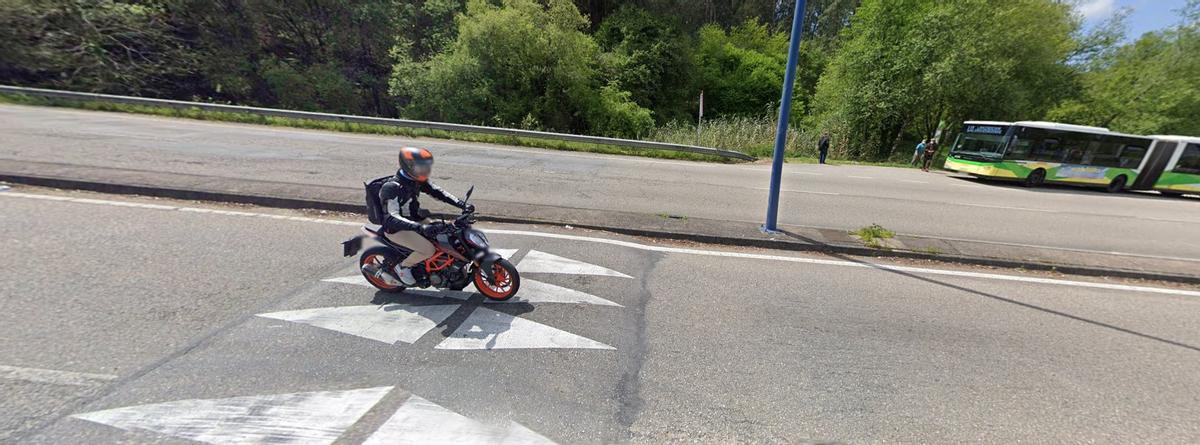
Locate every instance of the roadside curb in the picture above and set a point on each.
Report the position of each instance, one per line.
(644, 226)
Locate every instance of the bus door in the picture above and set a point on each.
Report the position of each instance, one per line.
(1155, 164)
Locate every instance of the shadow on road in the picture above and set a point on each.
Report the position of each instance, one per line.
(484, 325)
(1020, 303)
(1063, 189)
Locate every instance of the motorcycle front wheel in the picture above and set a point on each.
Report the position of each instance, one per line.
(378, 256)
(507, 281)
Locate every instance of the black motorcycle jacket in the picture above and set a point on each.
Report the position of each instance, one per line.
(400, 204)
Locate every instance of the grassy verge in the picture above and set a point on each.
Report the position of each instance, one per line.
(193, 113)
(874, 236)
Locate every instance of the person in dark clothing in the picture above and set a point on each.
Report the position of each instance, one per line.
(930, 152)
(823, 147)
(403, 223)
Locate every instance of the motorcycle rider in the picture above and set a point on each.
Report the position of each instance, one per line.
(402, 223)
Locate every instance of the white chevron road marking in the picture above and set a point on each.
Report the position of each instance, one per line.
(538, 292)
(297, 418)
(389, 323)
(541, 262)
(488, 329)
(420, 421)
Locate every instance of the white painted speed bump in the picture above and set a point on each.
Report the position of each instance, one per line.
(389, 323)
(542, 262)
(538, 292)
(420, 421)
(297, 418)
(506, 253)
(489, 329)
(356, 279)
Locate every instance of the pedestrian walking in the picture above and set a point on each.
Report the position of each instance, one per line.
(930, 152)
(823, 147)
(918, 153)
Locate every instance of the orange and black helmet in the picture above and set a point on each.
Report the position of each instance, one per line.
(416, 163)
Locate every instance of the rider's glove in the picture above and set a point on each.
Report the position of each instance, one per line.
(427, 230)
(468, 208)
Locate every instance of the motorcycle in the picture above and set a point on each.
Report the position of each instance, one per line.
(463, 256)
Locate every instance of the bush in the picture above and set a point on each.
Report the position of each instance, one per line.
(613, 114)
(516, 64)
(651, 59)
(741, 71)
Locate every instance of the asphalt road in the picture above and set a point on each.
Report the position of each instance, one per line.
(839, 197)
(152, 321)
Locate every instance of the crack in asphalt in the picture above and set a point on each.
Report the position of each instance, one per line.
(629, 387)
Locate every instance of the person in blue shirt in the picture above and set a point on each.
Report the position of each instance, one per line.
(919, 153)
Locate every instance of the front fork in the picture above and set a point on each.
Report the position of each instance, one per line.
(487, 264)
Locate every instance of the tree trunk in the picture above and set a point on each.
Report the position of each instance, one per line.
(896, 137)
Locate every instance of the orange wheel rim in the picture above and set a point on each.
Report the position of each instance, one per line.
(376, 260)
(500, 288)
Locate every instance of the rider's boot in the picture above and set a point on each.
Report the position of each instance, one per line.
(414, 276)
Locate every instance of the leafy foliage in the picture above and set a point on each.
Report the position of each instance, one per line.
(907, 65)
(876, 73)
(1151, 86)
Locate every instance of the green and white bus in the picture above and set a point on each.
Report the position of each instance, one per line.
(1040, 152)
(1174, 166)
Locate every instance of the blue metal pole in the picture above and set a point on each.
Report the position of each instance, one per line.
(785, 111)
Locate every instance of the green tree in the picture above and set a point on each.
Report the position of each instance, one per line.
(97, 45)
(907, 65)
(1150, 86)
(521, 63)
(741, 70)
(651, 59)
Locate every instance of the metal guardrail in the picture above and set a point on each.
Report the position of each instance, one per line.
(404, 123)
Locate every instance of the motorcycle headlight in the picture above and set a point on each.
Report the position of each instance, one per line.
(477, 239)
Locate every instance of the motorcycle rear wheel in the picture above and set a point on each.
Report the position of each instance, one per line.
(378, 256)
(508, 281)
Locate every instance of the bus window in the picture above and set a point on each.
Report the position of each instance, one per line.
(1105, 153)
(1131, 156)
(1019, 149)
(1047, 150)
(1189, 162)
(1073, 148)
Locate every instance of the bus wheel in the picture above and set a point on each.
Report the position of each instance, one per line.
(1117, 184)
(1036, 178)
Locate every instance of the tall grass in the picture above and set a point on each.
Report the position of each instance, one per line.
(756, 136)
(748, 134)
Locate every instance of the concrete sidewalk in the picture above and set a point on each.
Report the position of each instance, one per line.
(349, 198)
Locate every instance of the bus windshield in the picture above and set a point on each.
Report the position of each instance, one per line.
(983, 143)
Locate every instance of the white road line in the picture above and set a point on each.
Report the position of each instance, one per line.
(53, 376)
(298, 418)
(538, 292)
(913, 182)
(532, 291)
(799, 191)
(420, 421)
(391, 323)
(916, 270)
(542, 262)
(488, 329)
(808, 173)
(1027, 209)
(860, 177)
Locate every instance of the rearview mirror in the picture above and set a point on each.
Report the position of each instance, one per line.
(468, 197)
